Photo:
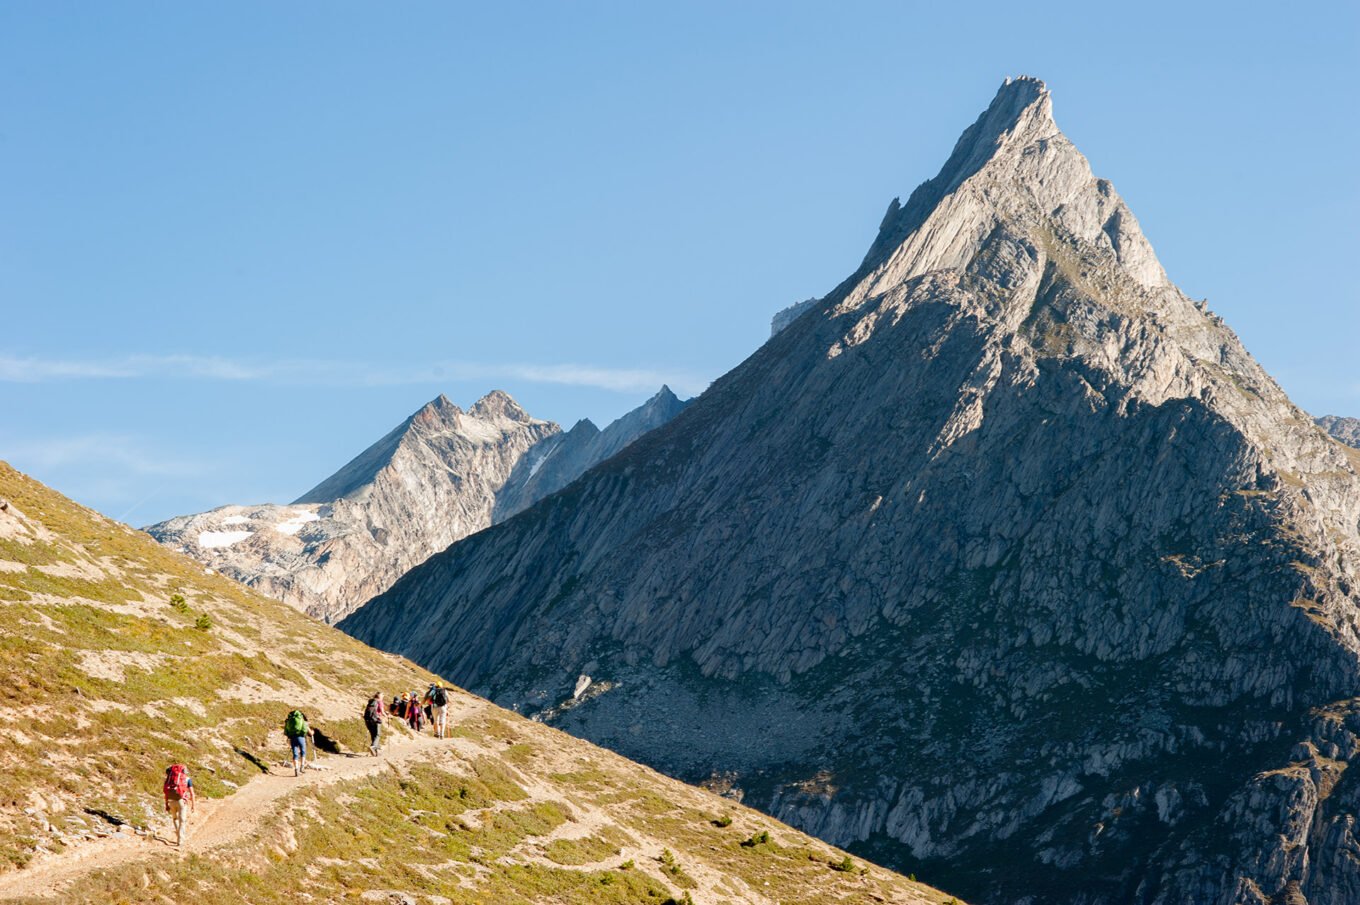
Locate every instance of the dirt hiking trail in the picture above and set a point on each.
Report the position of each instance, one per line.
(216, 822)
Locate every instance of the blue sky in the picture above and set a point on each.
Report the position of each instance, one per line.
(239, 242)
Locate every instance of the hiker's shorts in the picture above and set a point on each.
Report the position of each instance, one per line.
(299, 745)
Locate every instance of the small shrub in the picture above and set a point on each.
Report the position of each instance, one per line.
(203, 623)
(723, 821)
(761, 838)
(179, 603)
(845, 864)
(627, 865)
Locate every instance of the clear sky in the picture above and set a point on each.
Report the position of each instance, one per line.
(239, 242)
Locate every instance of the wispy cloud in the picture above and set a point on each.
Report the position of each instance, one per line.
(118, 473)
(319, 372)
(112, 452)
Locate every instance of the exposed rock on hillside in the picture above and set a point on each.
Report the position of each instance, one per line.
(437, 477)
(1347, 430)
(788, 315)
(1006, 560)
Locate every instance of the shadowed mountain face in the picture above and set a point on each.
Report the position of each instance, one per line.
(1004, 561)
(437, 477)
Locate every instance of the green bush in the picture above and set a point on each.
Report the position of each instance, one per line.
(203, 623)
(179, 603)
(723, 821)
(761, 838)
(845, 864)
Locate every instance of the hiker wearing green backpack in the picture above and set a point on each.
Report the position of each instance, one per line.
(296, 728)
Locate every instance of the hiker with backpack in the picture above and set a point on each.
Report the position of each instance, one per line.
(438, 700)
(180, 798)
(296, 728)
(415, 715)
(374, 714)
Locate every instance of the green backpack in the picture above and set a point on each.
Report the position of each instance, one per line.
(295, 725)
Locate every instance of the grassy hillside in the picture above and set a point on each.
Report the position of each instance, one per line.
(118, 657)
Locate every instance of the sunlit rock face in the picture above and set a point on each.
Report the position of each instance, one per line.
(437, 477)
(431, 481)
(1004, 563)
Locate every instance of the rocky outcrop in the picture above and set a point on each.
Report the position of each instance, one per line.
(429, 482)
(1347, 430)
(1004, 561)
(562, 458)
(437, 477)
(788, 315)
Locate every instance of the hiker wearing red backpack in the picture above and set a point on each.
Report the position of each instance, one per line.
(180, 798)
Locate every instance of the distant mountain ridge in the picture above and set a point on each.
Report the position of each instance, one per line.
(437, 477)
(562, 458)
(1003, 560)
(1347, 430)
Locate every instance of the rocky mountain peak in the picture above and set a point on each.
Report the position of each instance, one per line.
(1006, 553)
(1013, 176)
(438, 476)
(499, 404)
(438, 411)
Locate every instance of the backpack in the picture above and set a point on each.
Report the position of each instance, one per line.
(437, 697)
(371, 711)
(177, 782)
(295, 725)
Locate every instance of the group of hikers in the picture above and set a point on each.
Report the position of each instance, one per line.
(413, 708)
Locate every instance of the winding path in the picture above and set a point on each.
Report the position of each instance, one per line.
(216, 823)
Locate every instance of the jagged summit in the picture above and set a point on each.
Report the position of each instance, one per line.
(438, 422)
(499, 404)
(559, 460)
(1012, 169)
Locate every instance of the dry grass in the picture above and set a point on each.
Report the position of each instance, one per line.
(106, 681)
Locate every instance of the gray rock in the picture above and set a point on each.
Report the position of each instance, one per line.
(1006, 565)
(788, 315)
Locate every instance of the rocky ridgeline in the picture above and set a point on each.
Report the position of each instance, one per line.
(1003, 561)
(562, 458)
(1347, 430)
(439, 476)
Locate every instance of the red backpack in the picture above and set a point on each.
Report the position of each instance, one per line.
(177, 781)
